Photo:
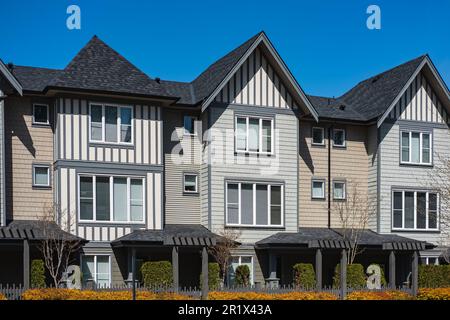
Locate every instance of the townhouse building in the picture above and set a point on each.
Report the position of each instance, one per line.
(142, 168)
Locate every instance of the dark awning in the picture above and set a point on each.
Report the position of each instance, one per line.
(325, 238)
(171, 235)
(35, 230)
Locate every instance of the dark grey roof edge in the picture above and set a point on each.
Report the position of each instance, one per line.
(13, 81)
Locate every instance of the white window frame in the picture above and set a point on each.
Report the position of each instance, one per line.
(95, 255)
(427, 228)
(184, 182)
(185, 132)
(252, 268)
(345, 138)
(427, 261)
(119, 123)
(48, 114)
(34, 175)
(111, 199)
(344, 191)
(269, 205)
(420, 163)
(323, 188)
(260, 135)
(323, 136)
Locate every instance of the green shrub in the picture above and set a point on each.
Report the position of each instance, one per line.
(242, 275)
(157, 273)
(431, 276)
(356, 278)
(213, 276)
(304, 275)
(37, 274)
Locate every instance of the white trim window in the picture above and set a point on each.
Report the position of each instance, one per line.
(339, 138)
(254, 204)
(110, 123)
(41, 114)
(189, 125)
(190, 183)
(416, 147)
(318, 136)
(97, 269)
(254, 135)
(41, 175)
(117, 199)
(433, 261)
(339, 192)
(239, 261)
(415, 210)
(318, 189)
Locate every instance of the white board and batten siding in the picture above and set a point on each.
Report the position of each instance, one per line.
(73, 135)
(108, 231)
(256, 83)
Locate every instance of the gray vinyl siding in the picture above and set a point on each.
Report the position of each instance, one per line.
(372, 149)
(204, 175)
(395, 175)
(2, 163)
(281, 167)
(181, 208)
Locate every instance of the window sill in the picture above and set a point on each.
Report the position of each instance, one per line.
(415, 231)
(192, 194)
(339, 147)
(317, 145)
(318, 199)
(254, 154)
(420, 165)
(111, 145)
(112, 223)
(40, 125)
(37, 187)
(255, 227)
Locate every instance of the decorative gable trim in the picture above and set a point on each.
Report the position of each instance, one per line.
(10, 78)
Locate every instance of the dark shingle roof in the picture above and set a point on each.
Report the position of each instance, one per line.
(35, 79)
(332, 108)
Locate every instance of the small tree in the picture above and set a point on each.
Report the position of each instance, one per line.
(354, 213)
(57, 246)
(223, 249)
(242, 274)
(37, 274)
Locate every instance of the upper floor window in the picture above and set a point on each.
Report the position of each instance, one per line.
(415, 210)
(339, 190)
(111, 123)
(111, 199)
(41, 114)
(318, 189)
(338, 138)
(416, 147)
(190, 182)
(254, 204)
(318, 136)
(41, 175)
(254, 135)
(189, 125)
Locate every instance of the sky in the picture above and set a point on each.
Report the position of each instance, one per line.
(326, 44)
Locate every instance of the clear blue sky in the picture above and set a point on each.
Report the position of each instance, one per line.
(325, 43)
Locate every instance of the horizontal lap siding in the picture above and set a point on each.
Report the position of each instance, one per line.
(372, 147)
(26, 144)
(204, 176)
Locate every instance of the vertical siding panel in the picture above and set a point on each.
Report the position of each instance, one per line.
(264, 81)
(100, 154)
(157, 200)
(84, 130)
(68, 133)
(145, 140)
(245, 87)
(276, 91)
(153, 142)
(73, 200)
(159, 136)
(76, 129)
(138, 136)
(64, 198)
(62, 122)
(270, 88)
(251, 83)
(232, 84)
(123, 155)
(112, 234)
(150, 220)
(258, 77)
(131, 156)
(92, 153)
(239, 86)
(108, 154)
(423, 95)
(115, 155)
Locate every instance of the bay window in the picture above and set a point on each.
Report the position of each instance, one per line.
(415, 147)
(414, 210)
(111, 199)
(254, 204)
(111, 123)
(254, 135)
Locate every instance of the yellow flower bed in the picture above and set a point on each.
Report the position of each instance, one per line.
(268, 296)
(433, 294)
(377, 295)
(67, 294)
(2, 297)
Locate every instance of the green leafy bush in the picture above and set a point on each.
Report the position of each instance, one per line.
(431, 276)
(213, 276)
(37, 274)
(242, 275)
(356, 278)
(304, 275)
(157, 273)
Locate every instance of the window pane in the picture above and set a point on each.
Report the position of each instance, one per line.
(398, 200)
(103, 271)
(247, 203)
(405, 146)
(96, 123)
(125, 129)
(87, 268)
(398, 219)
(190, 183)
(120, 199)
(275, 205)
(111, 124)
(232, 204)
(41, 176)
(339, 138)
(125, 133)
(409, 209)
(253, 135)
(415, 150)
(102, 199)
(189, 122)
(432, 210)
(318, 136)
(421, 210)
(241, 138)
(86, 198)
(125, 116)
(266, 136)
(339, 190)
(261, 204)
(425, 148)
(137, 201)
(40, 114)
(318, 189)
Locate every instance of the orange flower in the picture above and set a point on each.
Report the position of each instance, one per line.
(379, 295)
(434, 294)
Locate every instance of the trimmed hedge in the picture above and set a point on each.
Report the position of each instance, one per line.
(37, 274)
(242, 275)
(213, 276)
(304, 275)
(157, 273)
(431, 276)
(356, 278)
